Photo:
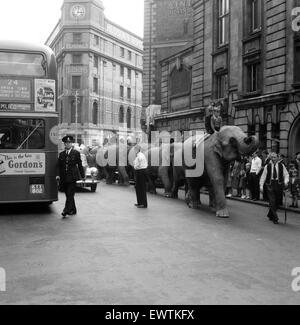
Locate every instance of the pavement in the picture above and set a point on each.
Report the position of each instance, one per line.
(112, 253)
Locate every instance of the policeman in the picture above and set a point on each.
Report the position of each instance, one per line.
(69, 170)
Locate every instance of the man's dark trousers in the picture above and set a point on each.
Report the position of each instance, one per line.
(141, 187)
(274, 191)
(254, 186)
(70, 189)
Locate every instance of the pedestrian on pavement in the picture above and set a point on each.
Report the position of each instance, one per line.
(140, 167)
(276, 178)
(236, 175)
(254, 176)
(69, 170)
(294, 185)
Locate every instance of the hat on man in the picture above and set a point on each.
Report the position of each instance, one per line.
(68, 138)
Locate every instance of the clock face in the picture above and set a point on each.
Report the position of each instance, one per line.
(78, 11)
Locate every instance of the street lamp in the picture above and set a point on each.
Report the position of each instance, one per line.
(77, 101)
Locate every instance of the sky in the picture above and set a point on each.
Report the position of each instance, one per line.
(34, 20)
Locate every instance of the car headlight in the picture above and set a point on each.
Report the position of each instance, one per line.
(94, 171)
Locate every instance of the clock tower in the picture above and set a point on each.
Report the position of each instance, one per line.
(83, 12)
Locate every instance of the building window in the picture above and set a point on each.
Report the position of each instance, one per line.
(185, 26)
(129, 74)
(253, 77)
(122, 52)
(77, 38)
(76, 82)
(121, 71)
(95, 113)
(121, 115)
(96, 40)
(61, 112)
(122, 91)
(223, 22)
(62, 85)
(129, 55)
(96, 61)
(255, 13)
(128, 118)
(128, 93)
(76, 58)
(95, 85)
(297, 63)
(221, 85)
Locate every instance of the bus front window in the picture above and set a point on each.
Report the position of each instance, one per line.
(22, 64)
(18, 134)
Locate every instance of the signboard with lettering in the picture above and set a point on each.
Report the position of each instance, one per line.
(44, 93)
(14, 107)
(15, 89)
(22, 164)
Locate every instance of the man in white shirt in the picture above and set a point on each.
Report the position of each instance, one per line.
(275, 176)
(256, 164)
(140, 167)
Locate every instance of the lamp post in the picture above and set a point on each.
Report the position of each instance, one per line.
(76, 113)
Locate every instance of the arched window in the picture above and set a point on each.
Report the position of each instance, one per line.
(121, 115)
(128, 118)
(95, 113)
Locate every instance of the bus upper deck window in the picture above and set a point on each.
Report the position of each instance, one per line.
(22, 64)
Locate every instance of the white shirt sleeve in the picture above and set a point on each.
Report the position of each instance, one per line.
(263, 177)
(286, 175)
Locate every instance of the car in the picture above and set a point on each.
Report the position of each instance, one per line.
(90, 180)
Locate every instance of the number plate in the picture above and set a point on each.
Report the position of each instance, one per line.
(37, 189)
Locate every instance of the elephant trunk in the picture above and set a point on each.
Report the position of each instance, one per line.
(248, 145)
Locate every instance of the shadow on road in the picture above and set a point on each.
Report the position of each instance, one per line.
(25, 209)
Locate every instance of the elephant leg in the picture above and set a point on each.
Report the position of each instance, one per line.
(178, 179)
(194, 193)
(216, 177)
(123, 176)
(163, 173)
(108, 175)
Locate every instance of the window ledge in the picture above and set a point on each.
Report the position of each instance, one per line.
(296, 85)
(221, 49)
(252, 35)
(251, 94)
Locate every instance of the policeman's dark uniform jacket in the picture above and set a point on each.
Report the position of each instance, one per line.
(70, 170)
(275, 177)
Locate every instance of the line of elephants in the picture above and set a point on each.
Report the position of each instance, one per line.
(219, 149)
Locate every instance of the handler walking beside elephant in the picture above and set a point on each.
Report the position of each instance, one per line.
(140, 166)
(276, 177)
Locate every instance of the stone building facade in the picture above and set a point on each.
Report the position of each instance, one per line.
(245, 54)
(168, 28)
(100, 67)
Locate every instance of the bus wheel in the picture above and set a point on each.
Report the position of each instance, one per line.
(93, 188)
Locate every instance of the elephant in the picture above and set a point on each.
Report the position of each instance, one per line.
(114, 158)
(218, 150)
(171, 180)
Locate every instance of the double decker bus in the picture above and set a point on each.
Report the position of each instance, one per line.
(28, 123)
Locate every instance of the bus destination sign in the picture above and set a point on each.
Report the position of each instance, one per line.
(14, 89)
(14, 107)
